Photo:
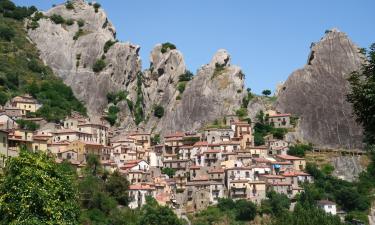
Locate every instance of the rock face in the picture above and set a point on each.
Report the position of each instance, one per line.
(211, 94)
(73, 60)
(317, 93)
(217, 90)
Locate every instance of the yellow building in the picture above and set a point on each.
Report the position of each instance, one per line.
(83, 149)
(25, 103)
(40, 142)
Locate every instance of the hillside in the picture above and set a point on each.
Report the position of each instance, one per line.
(22, 71)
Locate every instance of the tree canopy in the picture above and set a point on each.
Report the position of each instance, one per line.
(36, 190)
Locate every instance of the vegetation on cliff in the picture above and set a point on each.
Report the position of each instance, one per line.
(21, 70)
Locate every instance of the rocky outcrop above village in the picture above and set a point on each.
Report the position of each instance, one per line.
(72, 50)
(215, 91)
(317, 93)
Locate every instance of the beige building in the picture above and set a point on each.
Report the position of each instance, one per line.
(280, 120)
(25, 103)
(299, 164)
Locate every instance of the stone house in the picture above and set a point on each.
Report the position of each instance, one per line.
(215, 135)
(179, 164)
(280, 120)
(99, 132)
(138, 194)
(299, 164)
(70, 135)
(327, 206)
(26, 104)
(258, 151)
(257, 191)
(7, 123)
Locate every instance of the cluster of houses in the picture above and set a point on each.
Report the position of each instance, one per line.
(189, 170)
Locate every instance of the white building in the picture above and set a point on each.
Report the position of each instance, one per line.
(327, 206)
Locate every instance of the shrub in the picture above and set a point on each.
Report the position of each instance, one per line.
(187, 76)
(69, 22)
(37, 16)
(219, 69)
(96, 6)
(299, 150)
(167, 46)
(27, 125)
(78, 34)
(80, 22)
(242, 112)
(108, 45)
(178, 97)
(168, 171)
(57, 19)
(159, 111)
(3, 98)
(32, 25)
(99, 65)
(35, 66)
(155, 139)
(181, 86)
(130, 104)
(6, 33)
(69, 5)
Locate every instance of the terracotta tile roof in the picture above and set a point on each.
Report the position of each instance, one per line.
(141, 187)
(177, 134)
(201, 143)
(280, 184)
(218, 170)
(269, 176)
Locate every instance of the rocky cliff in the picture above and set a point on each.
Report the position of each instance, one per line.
(72, 51)
(317, 93)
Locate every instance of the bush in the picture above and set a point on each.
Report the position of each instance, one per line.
(181, 86)
(78, 34)
(69, 5)
(32, 25)
(108, 45)
(159, 111)
(241, 113)
(96, 6)
(99, 65)
(57, 19)
(167, 46)
(3, 98)
(80, 22)
(69, 22)
(168, 171)
(6, 33)
(299, 150)
(27, 125)
(219, 69)
(187, 76)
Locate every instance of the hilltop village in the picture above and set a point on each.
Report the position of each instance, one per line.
(185, 170)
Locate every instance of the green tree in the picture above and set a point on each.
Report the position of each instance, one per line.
(6, 33)
(167, 46)
(96, 6)
(362, 96)
(299, 150)
(81, 22)
(187, 76)
(154, 214)
(276, 204)
(27, 125)
(69, 5)
(99, 65)
(245, 210)
(117, 186)
(168, 171)
(57, 19)
(36, 190)
(159, 111)
(266, 92)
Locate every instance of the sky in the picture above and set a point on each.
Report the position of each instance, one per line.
(268, 39)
